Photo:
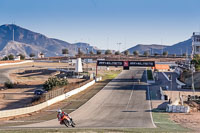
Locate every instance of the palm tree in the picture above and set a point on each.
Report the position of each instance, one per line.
(117, 53)
(107, 52)
(98, 52)
(91, 52)
(126, 52)
(174, 55)
(22, 57)
(135, 53)
(11, 57)
(146, 53)
(80, 52)
(165, 53)
(155, 54)
(184, 54)
(65, 51)
(31, 55)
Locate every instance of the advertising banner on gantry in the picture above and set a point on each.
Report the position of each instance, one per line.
(126, 63)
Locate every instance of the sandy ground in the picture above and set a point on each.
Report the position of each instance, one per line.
(30, 78)
(190, 120)
(27, 80)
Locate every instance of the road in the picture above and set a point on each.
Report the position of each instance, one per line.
(162, 81)
(121, 103)
(4, 73)
(3, 76)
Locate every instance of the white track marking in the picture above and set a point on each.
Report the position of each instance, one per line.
(150, 107)
(129, 98)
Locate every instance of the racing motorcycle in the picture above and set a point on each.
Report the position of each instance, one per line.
(67, 121)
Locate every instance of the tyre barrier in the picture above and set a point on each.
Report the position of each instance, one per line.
(177, 109)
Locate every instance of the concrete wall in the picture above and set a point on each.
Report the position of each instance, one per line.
(17, 63)
(20, 111)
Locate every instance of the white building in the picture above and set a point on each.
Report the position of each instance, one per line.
(78, 67)
(195, 43)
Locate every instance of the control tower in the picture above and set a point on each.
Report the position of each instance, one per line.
(195, 43)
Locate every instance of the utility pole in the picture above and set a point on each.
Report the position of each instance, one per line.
(181, 53)
(119, 45)
(87, 61)
(193, 89)
(13, 35)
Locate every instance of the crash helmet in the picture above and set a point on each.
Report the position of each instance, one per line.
(59, 111)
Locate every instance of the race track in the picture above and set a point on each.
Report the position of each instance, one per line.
(123, 102)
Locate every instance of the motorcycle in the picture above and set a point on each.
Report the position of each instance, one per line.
(67, 121)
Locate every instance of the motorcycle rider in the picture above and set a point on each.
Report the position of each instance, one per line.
(61, 114)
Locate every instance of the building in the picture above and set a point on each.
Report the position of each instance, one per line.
(161, 67)
(195, 43)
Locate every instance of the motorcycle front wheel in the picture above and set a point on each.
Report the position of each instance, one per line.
(66, 122)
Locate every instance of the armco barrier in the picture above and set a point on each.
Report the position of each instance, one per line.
(162, 94)
(179, 82)
(20, 111)
(166, 76)
(17, 63)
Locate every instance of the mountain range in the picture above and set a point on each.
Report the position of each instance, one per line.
(178, 48)
(27, 42)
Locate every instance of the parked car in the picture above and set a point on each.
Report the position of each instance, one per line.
(39, 92)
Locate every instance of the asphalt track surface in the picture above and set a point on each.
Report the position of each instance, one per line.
(123, 102)
(4, 76)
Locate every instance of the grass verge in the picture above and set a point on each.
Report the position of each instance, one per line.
(149, 75)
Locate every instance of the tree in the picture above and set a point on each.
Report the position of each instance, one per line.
(174, 55)
(146, 53)
(31, 55)
(117, 53)
(155, 54)
(5, 58)
(184, 54)
(98, 52)
(107, 52)
(135, 53)
(126, 52)
(196, 61)
(80, 52)
(11, 57)
(65, 51)
(54, 82)
(22, 57)
(91, 52)
(165, 53)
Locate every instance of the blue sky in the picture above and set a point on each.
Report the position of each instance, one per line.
(104, 23)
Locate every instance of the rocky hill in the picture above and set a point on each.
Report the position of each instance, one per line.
(152, 48)
(26, 42)
(178, 48)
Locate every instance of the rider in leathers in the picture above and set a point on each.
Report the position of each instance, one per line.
(60, 115)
